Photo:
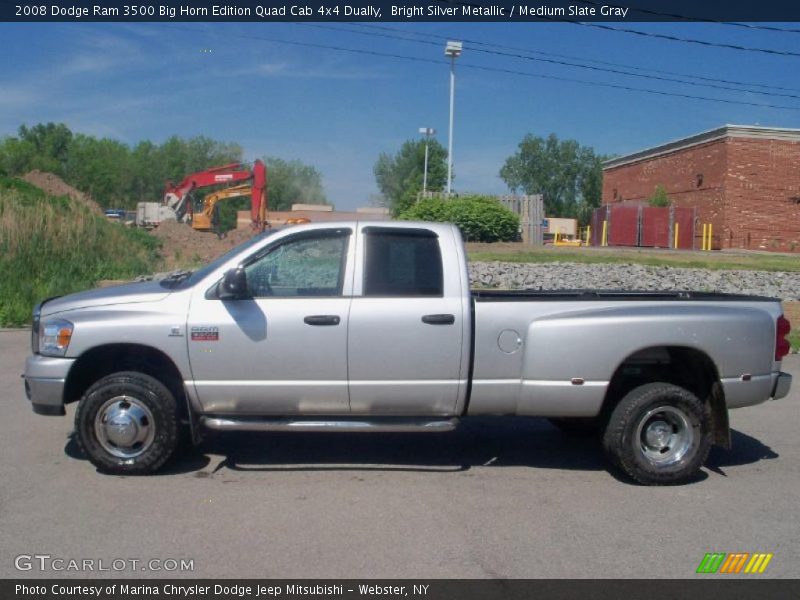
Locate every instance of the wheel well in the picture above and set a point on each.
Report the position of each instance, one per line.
(98, 362)
(687, 367)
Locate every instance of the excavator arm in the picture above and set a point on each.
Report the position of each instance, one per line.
(176, 196)
(203, 220)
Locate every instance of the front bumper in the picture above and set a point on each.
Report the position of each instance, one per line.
(782, 385)
(45, 377)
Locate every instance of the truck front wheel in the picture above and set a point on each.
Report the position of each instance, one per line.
(659, 434)
(127, 424)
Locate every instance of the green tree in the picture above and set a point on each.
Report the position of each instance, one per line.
(50, 143)
(400, 177)
(43, 146)
(568, 175)
(101, 168)
(659, 197)
(292, 182)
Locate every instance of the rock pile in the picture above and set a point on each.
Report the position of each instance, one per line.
(554, 276)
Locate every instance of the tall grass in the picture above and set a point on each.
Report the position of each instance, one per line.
(50, 246)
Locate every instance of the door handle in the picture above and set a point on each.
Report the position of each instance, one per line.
(439, 319)
(322, 320)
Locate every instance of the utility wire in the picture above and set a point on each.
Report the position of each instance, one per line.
(697, 19)
(674, 38)
(645, 33)
(557, 62)
(480, 68)
(473, 42)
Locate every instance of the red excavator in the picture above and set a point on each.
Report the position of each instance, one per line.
(180, 198)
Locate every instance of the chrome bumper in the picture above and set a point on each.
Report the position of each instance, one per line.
(44, 383)
(782, 385)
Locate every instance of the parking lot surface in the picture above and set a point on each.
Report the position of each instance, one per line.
(497, 498)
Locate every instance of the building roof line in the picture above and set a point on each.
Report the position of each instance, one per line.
(739, 131)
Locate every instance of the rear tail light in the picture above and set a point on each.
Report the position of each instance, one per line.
(782, 347)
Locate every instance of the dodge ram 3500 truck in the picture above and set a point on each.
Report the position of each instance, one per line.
(373, 327)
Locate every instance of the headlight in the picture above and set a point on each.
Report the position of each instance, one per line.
(54, 337)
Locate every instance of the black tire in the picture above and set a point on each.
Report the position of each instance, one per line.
(659, 434)
(130, 402)
(577, 426)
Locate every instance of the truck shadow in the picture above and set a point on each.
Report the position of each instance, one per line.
(479, 442)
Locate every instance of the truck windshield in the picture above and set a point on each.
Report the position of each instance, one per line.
(215, 264)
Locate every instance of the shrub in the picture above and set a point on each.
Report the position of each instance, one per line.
(659, 198)
(480, 218)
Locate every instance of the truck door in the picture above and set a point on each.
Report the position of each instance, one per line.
(405, 334)
(283, 350)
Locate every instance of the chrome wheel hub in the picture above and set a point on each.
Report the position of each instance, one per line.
(664, 435)
(124, 427)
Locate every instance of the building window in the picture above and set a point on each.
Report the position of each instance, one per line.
(699, 180)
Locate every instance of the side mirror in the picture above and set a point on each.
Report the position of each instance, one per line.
(234, 285)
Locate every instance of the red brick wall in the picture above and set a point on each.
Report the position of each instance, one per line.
(762, 195)
(748, 189)
(678, 173)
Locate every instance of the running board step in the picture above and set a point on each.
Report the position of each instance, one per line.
(388, 424)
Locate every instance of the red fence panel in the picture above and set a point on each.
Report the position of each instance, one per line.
(623, 226)
(684, 218)
(655, 227)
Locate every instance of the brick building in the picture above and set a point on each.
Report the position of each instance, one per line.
(744, 180)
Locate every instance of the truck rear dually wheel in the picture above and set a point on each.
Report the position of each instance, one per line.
(659, 434)
(127, 424)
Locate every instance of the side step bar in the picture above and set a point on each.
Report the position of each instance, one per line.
(388, 424)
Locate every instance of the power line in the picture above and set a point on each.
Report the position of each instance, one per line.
(646, 34)
(481, 68)
(473, 42)
(558, 62)
(674, 38)
(647, 11)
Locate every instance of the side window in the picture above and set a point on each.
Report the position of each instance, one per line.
(306, 266)
(402, 263)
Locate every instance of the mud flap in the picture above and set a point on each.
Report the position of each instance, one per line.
(721, 435)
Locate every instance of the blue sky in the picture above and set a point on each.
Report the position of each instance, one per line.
(338, 110)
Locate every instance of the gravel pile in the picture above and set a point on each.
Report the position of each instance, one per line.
(554, 276)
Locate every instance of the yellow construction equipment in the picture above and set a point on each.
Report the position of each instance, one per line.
(563, 240)
(207, 218)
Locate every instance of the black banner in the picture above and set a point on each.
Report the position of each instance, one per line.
(713, 588)
(398, 10)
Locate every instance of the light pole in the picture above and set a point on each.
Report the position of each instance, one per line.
(428, 132)
(453, 50)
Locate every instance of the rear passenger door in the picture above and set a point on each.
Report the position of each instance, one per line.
(405, 333)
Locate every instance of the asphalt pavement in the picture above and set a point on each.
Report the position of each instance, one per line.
(496, 498)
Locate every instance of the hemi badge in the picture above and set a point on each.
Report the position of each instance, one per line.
(175, 332)
(577, 381)
(205, 334)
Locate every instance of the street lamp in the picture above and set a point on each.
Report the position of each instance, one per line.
(452, 50)
(427, 132)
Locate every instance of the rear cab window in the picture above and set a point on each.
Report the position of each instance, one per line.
(402, 262)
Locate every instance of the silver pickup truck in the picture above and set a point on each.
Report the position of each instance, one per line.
(368, 327)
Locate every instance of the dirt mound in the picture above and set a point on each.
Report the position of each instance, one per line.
(55, 186)
(183, 246)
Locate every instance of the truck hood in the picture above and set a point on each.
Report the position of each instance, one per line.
(144, 291)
